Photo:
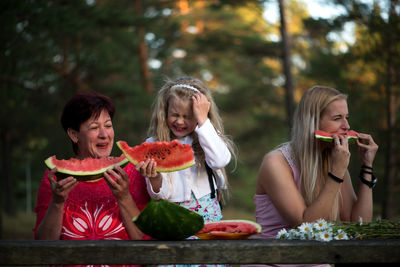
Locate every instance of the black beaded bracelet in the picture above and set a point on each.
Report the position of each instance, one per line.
(371, 183)
(366, 167)
(337, 179)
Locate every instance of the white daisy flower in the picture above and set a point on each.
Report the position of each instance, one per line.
(320, 224)
(293, 234)
(305, 227)
(325, 236)
(341, 235)
(282, 234)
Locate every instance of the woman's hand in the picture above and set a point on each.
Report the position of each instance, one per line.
(60, 189)
(201, 107)
(368, 148)
(340, 155)
(118, 181)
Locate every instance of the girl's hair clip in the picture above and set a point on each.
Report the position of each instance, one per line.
(185, 86)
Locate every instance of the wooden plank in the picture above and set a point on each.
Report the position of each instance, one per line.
(31, 253)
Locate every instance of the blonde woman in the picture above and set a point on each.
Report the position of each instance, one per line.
(307, 179)
(185, 110)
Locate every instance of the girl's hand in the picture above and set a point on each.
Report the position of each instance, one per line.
(201, 107)
(118, 181)
(60, 189)
(147, 168)
(368, 148)
(340, 155)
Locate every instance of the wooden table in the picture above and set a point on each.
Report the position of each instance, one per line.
(30, 253)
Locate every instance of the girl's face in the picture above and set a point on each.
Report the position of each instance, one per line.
(95, 137)
(180, 119)
(334, 118)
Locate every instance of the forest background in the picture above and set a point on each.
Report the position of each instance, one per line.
(257, 69)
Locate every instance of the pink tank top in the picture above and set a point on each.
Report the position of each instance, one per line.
(268, 216)
(266, 213)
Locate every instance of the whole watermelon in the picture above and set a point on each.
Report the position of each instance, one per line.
(164, 220)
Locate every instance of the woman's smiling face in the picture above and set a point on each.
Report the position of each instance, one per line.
(95, 137)
(334, 117)
(180, 119)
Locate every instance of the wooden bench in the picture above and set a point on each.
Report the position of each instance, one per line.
(30, 253)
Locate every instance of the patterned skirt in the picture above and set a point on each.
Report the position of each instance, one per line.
(211, 211)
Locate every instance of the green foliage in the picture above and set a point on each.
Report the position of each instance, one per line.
(52, 49)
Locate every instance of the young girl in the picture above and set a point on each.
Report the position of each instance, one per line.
(184, 110)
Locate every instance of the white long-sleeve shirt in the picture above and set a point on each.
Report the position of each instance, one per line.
(178, 186)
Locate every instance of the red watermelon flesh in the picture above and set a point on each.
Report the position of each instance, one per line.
(328, 137)
(229, 229)
(169, 156)
(86, 169)
(232, 226)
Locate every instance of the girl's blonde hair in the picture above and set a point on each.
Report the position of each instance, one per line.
(158, 123)
(313, 160)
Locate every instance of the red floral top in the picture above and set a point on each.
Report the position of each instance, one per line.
(91, 211)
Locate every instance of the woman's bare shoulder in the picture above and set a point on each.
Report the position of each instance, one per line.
(274, 169)
(272, 158)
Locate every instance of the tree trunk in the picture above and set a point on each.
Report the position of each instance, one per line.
(388, 204)
(145, 74)
(6, 195)
(286, 65)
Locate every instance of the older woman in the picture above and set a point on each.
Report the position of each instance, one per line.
(100, 209)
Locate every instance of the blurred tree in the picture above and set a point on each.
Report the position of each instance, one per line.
(364, 69)
(378, 48)
(230, 46)
(52, 49)
(142, 51)
(286, 64)
(49, 51)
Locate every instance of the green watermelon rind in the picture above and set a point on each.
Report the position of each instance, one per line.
(164, 220)
(159, 168)
(81, 175)
(329, 139)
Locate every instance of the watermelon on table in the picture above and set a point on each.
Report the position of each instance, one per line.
(164, 220)
(328, 137)
(169, 156)
(86, 169)
(229, 229)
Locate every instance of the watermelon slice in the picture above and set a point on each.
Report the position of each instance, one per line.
(327, 137)
(164, 220)
(229, 229)
(169, 156)
(86, 169)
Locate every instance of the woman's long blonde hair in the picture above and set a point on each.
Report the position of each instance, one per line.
(313, 160)
(158, 124)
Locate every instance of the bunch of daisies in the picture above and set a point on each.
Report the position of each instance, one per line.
(322, 230)
(319, 230)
